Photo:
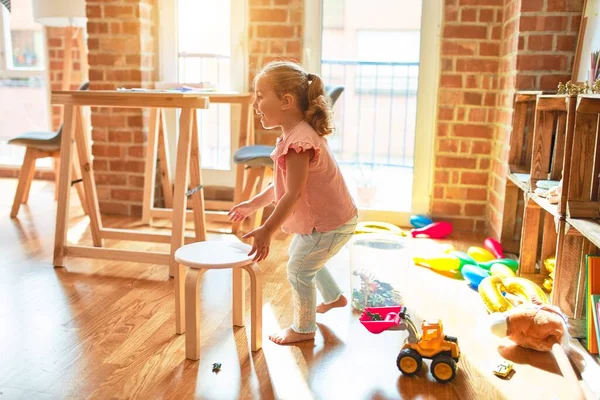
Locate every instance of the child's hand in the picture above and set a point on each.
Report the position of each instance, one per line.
(261, 243)
(241, 211)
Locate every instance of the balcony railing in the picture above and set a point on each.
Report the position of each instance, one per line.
(376, 114)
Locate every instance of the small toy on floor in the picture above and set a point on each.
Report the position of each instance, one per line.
(216, 368)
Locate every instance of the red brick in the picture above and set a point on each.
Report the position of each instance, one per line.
(486, 15)
(575, 22)
(450, 48)
(474, 178)
(477, 194)
(275, 31)
(477, 115)
(438, 192)
(476, 65)
(545, 62)
(446, 113)
(119, 11)
(550, 82)
(543, 23)
(473, 98)
(451, 81)
(489, 49)
(268, 15)
(532, 5)
(455, 162)
(474, 131)
(499, 3)
(441, 177)
(566, 42)
(540, 42)
(525, 82)
(480, 147)
(465, 31)
(449, 145)
(468, 15)
(456, 193)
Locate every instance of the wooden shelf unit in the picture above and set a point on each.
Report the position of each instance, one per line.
(519, 162)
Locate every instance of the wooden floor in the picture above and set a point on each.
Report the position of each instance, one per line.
(99, 329)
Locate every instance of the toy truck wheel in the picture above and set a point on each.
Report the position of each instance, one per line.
(409, 362)
(443, 369)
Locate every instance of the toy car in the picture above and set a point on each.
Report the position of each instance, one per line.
(503, 369)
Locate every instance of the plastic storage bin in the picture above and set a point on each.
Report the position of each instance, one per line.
(377, 264)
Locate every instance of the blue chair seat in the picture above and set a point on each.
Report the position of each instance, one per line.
(44, 141)
(254, 156)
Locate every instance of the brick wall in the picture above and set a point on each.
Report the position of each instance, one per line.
(539, 42)
(122, 53)
(470, 60)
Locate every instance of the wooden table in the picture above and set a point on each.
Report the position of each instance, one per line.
(75, 132)
(157, 149)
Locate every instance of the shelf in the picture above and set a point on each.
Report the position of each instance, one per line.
(589, 228)
(521, 180)
(546, 205)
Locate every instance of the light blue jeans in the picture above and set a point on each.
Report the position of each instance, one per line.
(307, 272)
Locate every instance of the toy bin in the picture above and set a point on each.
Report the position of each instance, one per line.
(377, 262)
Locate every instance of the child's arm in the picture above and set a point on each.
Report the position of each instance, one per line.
(240, 211)
(264, 198)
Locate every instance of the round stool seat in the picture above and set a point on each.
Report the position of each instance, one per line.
(214, 255)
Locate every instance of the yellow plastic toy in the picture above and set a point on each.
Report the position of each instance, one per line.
(433, 344)
(442, 262)
(480, 254)
(550, 264)
(491, 288)
(502, 271)
(378, 227)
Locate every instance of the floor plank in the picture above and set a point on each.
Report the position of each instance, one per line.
(99, 329)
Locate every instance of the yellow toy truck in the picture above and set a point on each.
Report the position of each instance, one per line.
(432, 343)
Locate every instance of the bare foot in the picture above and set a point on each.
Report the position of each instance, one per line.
(323, 308)
(289, 335)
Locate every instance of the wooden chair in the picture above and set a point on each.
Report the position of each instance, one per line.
(42, 145)
(259, 166)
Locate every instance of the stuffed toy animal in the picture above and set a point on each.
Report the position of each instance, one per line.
(534, 325)
(541, 327)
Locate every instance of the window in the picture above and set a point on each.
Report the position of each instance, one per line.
(23, 87)
(388, 61)
(205, 41)
(333, 14)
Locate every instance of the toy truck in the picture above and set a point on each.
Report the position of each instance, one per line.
(432, 343)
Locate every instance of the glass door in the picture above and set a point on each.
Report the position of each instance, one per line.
(384, 54)
(24, 98)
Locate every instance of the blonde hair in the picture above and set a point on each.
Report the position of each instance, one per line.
(308, 89)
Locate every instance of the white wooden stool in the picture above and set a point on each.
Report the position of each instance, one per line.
(201, 256)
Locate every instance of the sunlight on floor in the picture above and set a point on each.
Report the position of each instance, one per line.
(285, 372)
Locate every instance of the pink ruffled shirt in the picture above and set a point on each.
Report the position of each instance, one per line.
(326, 202)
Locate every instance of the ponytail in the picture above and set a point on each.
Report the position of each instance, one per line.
(319, 114)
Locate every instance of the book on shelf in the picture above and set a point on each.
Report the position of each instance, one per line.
(595, 306)
(593, 288)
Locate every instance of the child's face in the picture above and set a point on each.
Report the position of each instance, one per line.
(267, 104)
